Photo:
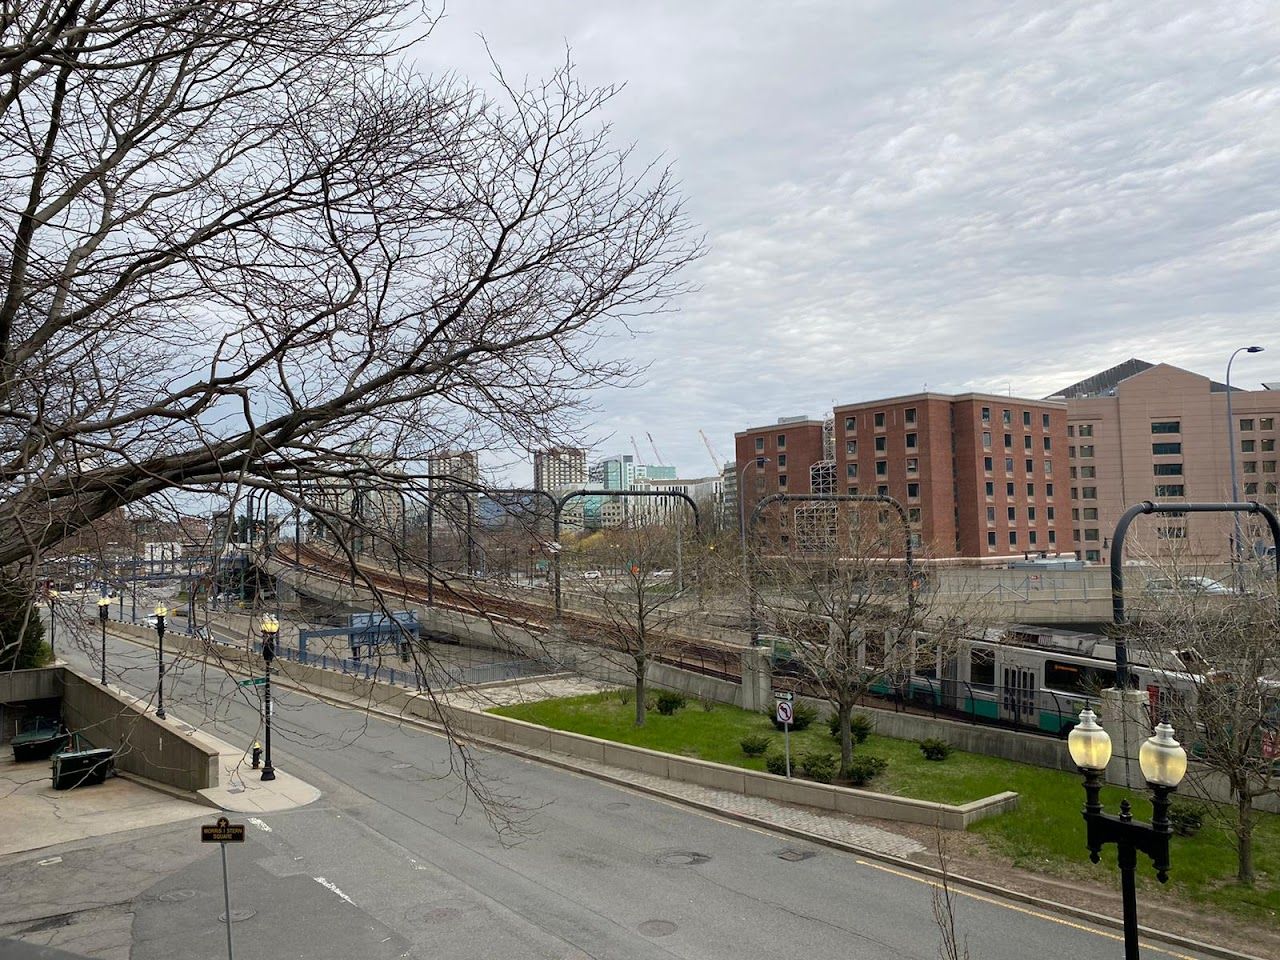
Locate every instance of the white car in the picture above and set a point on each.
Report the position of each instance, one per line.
(1188, 585)
(663, 574)
(591, 575)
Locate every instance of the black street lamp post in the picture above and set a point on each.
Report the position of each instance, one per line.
(1164, 764)
(104, 611)
(53, 621)
(270, 627)
(161, 613)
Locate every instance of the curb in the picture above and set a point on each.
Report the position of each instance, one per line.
(1101, 920)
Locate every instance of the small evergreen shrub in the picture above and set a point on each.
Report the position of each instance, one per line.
(819, 766)
(934, 749)
(802, 715)
(756, 744)
(860, 727)
(669, 702)
(776, 763)
(1187, 818)
(866, 768)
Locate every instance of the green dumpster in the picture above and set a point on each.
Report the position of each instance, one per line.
(78, 768)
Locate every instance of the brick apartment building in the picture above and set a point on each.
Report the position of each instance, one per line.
(1142, 431)
(981, 476)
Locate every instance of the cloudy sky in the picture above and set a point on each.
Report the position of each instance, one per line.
(968, 196)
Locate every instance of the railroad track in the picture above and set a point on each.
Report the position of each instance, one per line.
(711, 657)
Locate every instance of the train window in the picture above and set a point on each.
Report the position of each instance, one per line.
(982, 666)
(1074, 678)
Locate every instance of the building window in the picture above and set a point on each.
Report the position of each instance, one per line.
(1048, 514)
(1270, 486)
(910, 415)
(879, 421)
(911, 441)
(1044, 421)
(1008, 489)
(1247, 446)
(1171, 533)
(1170, 490)
(1086, 450)
(852, 491)
(882, 468)
(1088, 493)
(851, 448)
(1090, 513)
(1071, 430)
(1029, 467)
(1091, 535)
(986, 464)
(986, 438)
(1006, 417)
(986, 414)
(1047, 445)
(1031, 490)
(1267, 423)
(1166, 426)
(1008, 464)
(1031, 513)
(1026, 442)
(882, 491)
(1268, 446)
(1013, 538)
(1168, 469)
(1246, 424)
(1075, 513)
(1088, 473)
(1075, 535)
(1012, 513)
(1074, 471)
(782, 481)
(851, 471)
(1268, 466)
(991, 514)
(850, 424)
(1048, 490)
(913, 491)
(1053, 536)
(782, 441)
(1092, 556)
(991, 490)
(1251, 488)
(991, 539)
(759, 443)
(881, 444)
(1008, 441)
(1075, 493)
(1031, 538)
(1026, 418)
(1169, 449)
(913, 514)
(1048, 468)
(1249, 466)
(782, 461)
(1086, 429)
(913, 465)
(760, 462)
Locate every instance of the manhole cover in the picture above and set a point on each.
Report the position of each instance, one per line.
(617, 805)
(795, 856)
(175, 896)
(237, 916)
(657, 928)
(682, 858)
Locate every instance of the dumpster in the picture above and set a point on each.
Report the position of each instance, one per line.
(39, 740)
(78, 768)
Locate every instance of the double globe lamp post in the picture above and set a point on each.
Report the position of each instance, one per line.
(104, 611)
(270, 627)
(161, 612)
(1164, 764)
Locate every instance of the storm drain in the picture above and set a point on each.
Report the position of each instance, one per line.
(238, 916)
(682, 858)
(795, 856)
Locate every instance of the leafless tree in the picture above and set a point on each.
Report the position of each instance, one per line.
(1217, 662)
(627, 578)
(244, 239)
(834, 586)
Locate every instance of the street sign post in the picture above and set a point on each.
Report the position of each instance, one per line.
(222, 832)
(785, 713)
(252, 682)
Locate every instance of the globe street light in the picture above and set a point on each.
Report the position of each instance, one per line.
(53, 621)
(270, 627)
(1164, 764)
(104, 610)
(161, 613)
(1231, 442)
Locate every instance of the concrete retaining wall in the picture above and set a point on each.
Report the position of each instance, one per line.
(143, 745)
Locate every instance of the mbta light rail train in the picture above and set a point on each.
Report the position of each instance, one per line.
(1023, 676)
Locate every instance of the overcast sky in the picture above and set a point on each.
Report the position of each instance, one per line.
(972, 196)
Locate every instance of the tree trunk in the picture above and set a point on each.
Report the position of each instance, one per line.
(1244, 837)
(843, 711)
(641, 669)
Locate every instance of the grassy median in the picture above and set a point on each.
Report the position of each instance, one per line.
(1044, 834)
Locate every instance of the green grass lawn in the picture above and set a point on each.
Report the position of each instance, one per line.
(1045, 833)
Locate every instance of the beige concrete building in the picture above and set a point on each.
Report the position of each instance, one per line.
(1142, 431)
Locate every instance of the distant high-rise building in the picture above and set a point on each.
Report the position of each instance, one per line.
(559, 468)
(614, 473)
(460, 467)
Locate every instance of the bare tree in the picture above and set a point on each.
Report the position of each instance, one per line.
(247, 239)
(834, 585)
(628, 582)
(1217, 663)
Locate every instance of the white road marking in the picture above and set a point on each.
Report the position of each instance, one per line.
(329, 885)
(49, 861)
(259, 824)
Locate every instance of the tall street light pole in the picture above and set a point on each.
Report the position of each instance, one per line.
(104, 611)
(742, 512)
(53, 621)
(270, 627)
(1235, 483)
(161, 612)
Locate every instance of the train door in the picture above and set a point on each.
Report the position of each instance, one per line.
(1018, 695)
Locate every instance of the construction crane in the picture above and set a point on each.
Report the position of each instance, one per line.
(712, 451)
(660, 458)
(636, 447)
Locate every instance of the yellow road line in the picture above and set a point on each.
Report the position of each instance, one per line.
(1029, 912)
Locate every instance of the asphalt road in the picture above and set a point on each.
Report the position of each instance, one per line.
(396, 860)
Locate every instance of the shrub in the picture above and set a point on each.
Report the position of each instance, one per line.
(801, 716)
(934, 749)
(756, 744)
(625, 695)
(860, 727)
(669, 703)
(1187, 818)
(707, 705)
(819, 766)
(865, 768)
(776, 763)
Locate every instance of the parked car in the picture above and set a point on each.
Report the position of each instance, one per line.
(663, 574)
(1169, 585)
(591, 575)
